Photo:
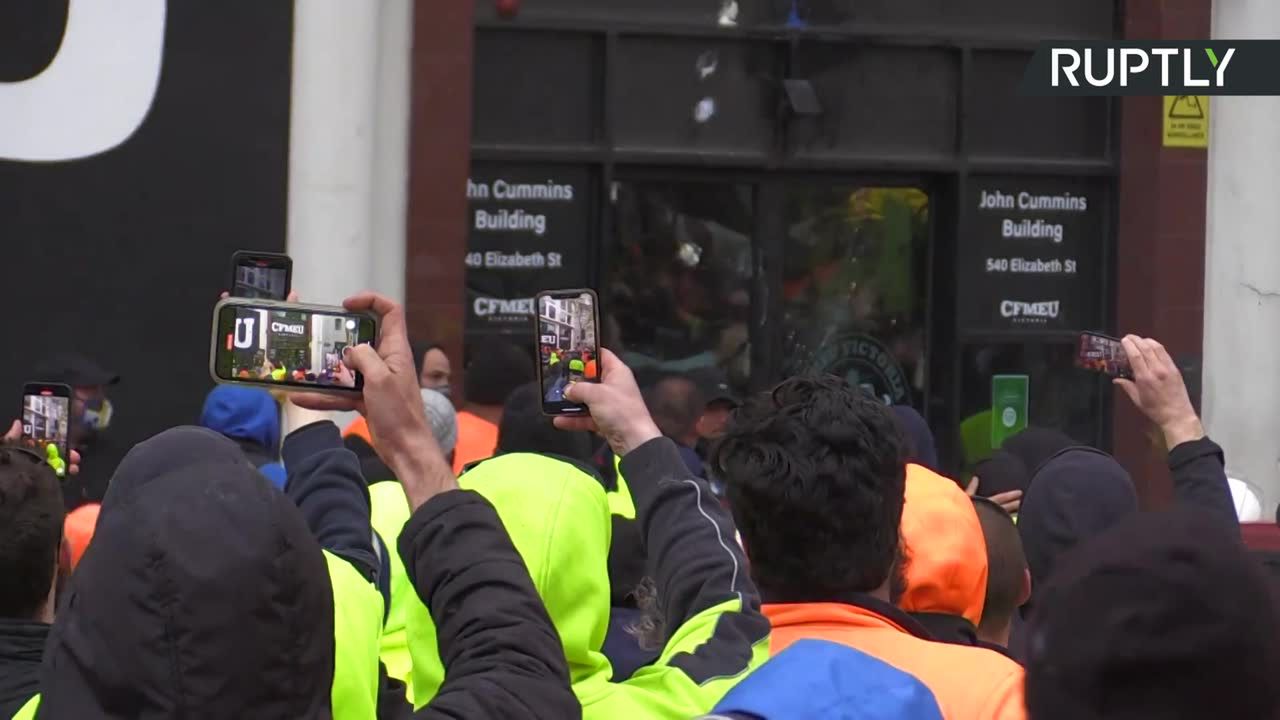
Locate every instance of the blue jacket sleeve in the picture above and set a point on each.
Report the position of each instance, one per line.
(326, 485)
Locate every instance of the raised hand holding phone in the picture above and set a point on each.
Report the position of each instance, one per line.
(44, 426)
(279, 344)
(615, 407)
(391, 402)
(1102, 354)
(1157, 389)
(566, 327)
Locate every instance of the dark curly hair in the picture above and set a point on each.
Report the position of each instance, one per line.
(814, 475)
(31, 516)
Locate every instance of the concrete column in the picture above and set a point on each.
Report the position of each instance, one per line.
(1242, 270)
(348, 146)
(391, 147)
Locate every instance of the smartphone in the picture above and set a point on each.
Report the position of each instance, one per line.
(266, 276)
(46, 413)
(286, 345)
(566, 333)
(1102, 354)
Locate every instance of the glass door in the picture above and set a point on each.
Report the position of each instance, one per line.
(676, 290)
(854, 293)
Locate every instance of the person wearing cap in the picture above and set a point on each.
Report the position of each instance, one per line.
(91, 416)
(721, 400)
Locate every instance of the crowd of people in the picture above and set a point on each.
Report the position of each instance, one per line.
(680, 552)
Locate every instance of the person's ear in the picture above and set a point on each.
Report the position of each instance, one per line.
(1025, 593)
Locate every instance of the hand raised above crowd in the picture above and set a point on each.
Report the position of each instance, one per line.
(14, 436)
(1158, 391)
(616, 407)
(391, 402)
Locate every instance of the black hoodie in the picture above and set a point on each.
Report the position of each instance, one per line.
(203, 595)
(21, 647)
(1081, 492)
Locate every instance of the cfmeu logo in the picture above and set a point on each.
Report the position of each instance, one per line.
(1244, 67)
(96, 91)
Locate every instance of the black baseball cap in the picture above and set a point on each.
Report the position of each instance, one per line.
(714, 386)
(75, 370)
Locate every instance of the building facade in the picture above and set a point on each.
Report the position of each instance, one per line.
(824, 185)
(765, 186)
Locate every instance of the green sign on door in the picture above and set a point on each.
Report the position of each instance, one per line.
(1009, 394)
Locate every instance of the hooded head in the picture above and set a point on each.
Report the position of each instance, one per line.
(1164, 615)
(524, 428)
(917, 438)
(1012, 466)
(558, 519)
(1077, 494)
(203, 594)
(946, 555)
(1035, 445)
(242, 413)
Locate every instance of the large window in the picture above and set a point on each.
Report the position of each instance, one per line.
(1053, 394)
(677, 285)
(854, 287)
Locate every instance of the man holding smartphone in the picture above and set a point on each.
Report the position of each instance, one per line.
(91, 416)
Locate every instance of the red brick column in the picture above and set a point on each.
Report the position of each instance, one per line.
(439, 163)
(1160, 256)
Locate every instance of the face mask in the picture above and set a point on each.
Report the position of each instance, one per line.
(97, 414)
(444, 390)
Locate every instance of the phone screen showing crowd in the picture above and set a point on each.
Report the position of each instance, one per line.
(288, 347)
(45, 430)
(567, 348)
(1102, 354)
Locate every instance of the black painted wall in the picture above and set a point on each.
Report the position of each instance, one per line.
(122, 255)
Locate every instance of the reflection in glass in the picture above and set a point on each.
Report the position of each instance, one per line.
(707, 63)
(679, 278)
(704, 110)
(854, 288)
(729, 13)
(1061, 396)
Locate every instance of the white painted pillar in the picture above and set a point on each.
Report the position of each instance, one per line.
(348, 147)
(1242, 268)
(391, 147)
